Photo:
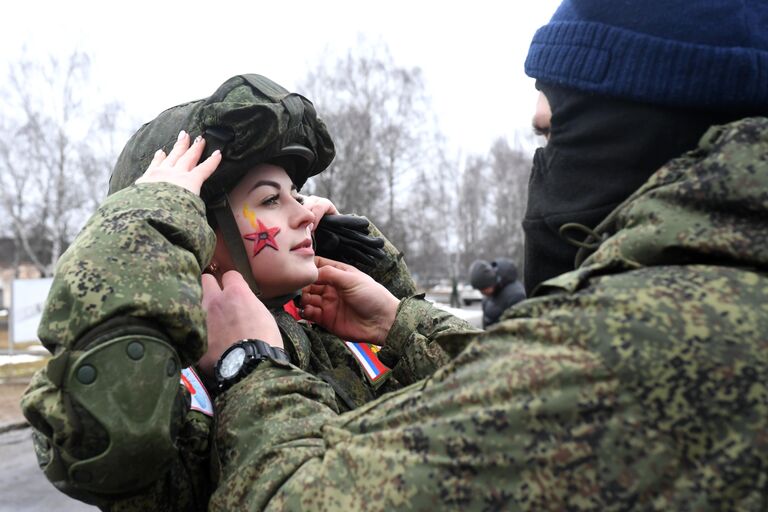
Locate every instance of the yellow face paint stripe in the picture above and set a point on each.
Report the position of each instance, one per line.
(251, 216)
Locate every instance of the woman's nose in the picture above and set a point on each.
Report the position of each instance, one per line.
(303, 216)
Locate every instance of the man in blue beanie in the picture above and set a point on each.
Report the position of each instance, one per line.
(626, 87)
(636, 381)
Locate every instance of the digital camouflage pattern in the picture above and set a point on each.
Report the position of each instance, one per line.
(639, 381)
(134, 271)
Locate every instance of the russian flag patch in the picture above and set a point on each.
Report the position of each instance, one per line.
(201, 400)
(365, 353)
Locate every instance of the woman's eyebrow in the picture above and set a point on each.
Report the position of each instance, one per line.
(261, 183)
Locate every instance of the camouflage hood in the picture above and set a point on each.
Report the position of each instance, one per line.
(250, 118)
(710, 206)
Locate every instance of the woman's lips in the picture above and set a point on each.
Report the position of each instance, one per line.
(304, 247)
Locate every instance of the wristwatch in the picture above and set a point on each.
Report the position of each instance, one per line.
(241, 358)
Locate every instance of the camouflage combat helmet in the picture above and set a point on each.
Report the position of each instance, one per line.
(252, 120)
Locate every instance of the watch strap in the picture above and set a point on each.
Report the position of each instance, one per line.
(256, 351)
(265, 349)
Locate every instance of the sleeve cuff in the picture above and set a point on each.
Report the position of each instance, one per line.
(411, 311)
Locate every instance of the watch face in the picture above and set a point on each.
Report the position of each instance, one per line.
(231, 364)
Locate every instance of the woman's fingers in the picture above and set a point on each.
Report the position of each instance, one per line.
(179, 148)
(157, 159)
(188, 160)
(207, 166)
(320, 207)
(181, 166)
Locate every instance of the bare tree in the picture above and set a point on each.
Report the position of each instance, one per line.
(492, 199)
(510, 168)
(432, 217)
(105, 139)
(392, 166)
(378, 114)
(475, 196)
(51, 163)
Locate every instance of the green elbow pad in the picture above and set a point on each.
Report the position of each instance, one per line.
(130, 386)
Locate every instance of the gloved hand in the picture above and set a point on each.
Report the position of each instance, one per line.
(345, 238)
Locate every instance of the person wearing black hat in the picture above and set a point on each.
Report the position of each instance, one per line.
(623, 90)
(497, 281)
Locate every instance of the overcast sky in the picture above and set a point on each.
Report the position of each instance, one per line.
(153, 55)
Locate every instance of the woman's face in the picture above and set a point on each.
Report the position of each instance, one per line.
(276, 230)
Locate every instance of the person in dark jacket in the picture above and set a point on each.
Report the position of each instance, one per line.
(498, 282)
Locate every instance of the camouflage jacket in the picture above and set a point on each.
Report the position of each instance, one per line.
(133, 277)
(639, 381)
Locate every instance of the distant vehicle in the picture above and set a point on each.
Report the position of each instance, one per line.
(439, 293)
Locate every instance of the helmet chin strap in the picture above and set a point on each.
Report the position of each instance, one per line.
(231, 234)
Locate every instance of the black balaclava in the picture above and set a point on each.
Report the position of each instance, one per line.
(600, 150)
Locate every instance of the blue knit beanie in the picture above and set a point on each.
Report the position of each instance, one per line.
(707, 54)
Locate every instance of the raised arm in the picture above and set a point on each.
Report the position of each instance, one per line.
(417, 338)
(122, 319)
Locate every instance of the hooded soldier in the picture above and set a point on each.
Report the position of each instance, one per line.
(497, 281)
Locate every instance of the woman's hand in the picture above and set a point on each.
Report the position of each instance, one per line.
(234, 313)
(180, 166)
(319, 206)
(349, 303)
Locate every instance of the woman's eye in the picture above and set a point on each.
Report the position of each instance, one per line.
(299, 199)
(270, 200)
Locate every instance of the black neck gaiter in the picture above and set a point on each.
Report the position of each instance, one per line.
(600, 150)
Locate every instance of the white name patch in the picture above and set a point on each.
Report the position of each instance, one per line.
(201, 400)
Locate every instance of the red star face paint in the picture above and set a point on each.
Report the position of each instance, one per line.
(263, 236)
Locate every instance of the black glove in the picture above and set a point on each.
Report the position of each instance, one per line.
(345, 238)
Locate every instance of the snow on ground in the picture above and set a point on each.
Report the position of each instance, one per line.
(23, 353)
(473, 316)
(18, 358)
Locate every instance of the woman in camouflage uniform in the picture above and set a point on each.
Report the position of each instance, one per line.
(113, 425)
